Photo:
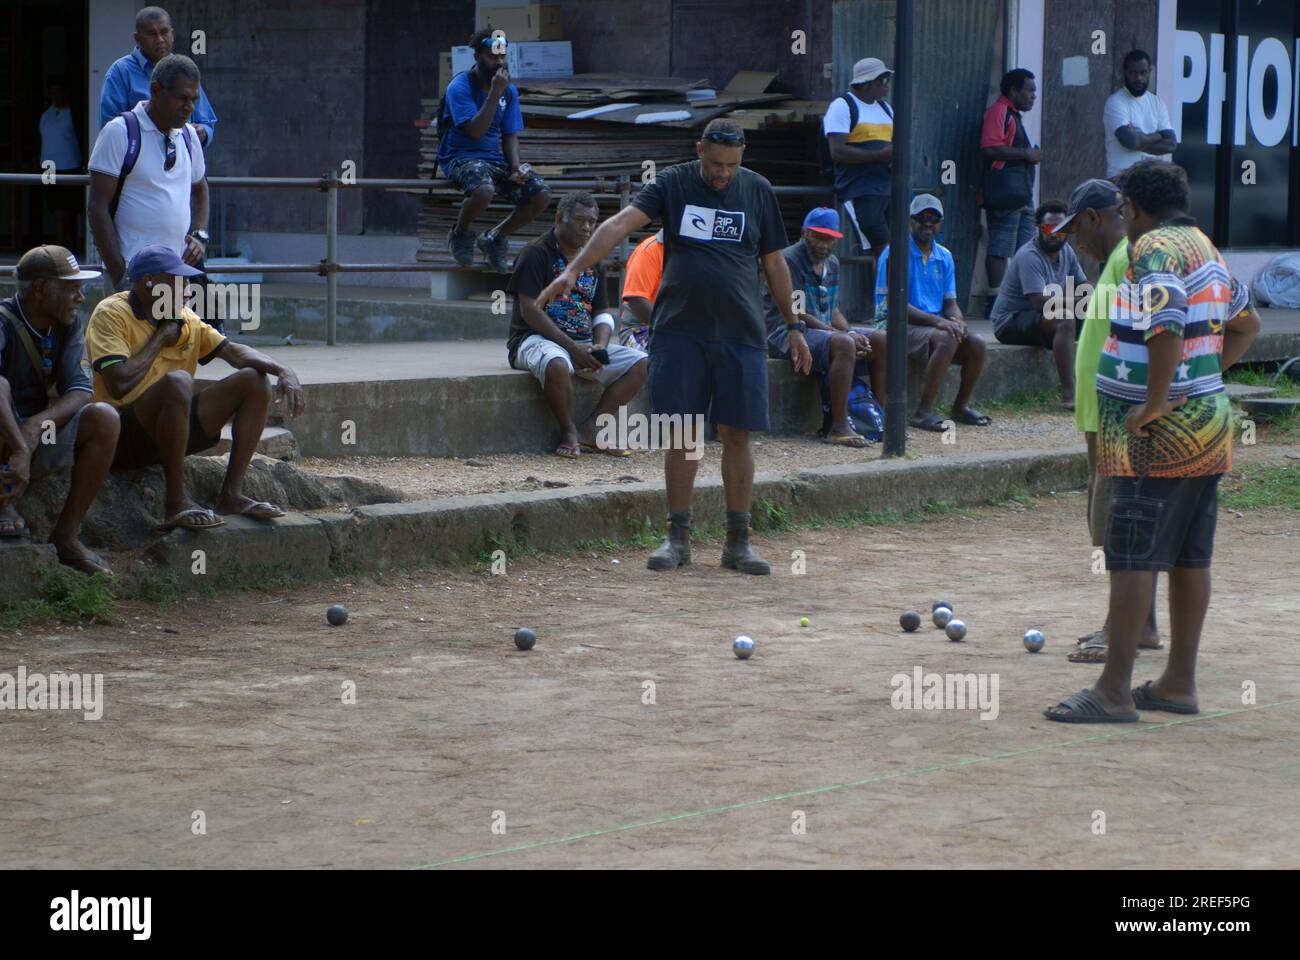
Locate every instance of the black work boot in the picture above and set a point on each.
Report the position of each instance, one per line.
(675, 552)
(738, 554)
(496, 250)
(461, 245)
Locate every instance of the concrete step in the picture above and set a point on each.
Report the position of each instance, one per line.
(1271, 407)
(1242, 391)
(276, 443)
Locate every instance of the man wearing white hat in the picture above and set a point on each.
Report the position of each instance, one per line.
(859, 128)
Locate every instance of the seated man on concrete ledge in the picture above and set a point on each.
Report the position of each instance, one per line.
(145, 346)
(574, 331)
(838, 352)
(937, 334)
(47, 419)
(1031, 309)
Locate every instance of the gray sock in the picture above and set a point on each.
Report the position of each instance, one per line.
(681, 519)
(737, 521)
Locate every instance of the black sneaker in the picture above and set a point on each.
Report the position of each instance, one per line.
(461, 245)
(496, 250)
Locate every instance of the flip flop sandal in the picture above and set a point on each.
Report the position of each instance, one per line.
(608, 451)
(1090, 652)
(260, 510)
(90, 564)
(1086, 707)
(854, 440)
(933, 423)
(1145, 701)
(1090, 637)
(185, 517)
(972, 418)
(569, 451)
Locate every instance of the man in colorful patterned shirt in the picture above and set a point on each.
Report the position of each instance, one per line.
(573, 331)
(1164, 439)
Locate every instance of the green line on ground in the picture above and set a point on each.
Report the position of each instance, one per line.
(829, 788)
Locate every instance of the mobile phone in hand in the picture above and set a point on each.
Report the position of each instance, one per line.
(602, 355)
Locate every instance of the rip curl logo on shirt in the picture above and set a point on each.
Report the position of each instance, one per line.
(706, 223)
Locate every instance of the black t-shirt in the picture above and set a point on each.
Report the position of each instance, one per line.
(536, 266)
(710, 288)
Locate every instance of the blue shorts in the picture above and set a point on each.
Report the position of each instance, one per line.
(1158, 523)
(471, 174)
(1009, 230)
(724, 382)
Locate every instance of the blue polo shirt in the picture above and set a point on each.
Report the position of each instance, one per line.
(464, 99)
(930, 280)
(127, 83)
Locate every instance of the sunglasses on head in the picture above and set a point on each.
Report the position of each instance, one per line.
(170, 151)
(492, 43)
(723, 136)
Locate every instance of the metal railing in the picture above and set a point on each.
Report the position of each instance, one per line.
(330, 184)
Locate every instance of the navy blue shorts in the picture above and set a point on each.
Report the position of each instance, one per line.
(724, 382)
(1158, 523)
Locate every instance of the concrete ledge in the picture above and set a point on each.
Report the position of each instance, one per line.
(374, 539)
(22, 565)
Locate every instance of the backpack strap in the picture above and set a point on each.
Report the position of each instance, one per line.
(852, 104)
(128, 159)
(884, 105)
(25, 338)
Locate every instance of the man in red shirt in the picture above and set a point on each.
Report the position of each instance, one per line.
(1008, 192)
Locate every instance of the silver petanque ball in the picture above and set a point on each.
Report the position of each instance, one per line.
(941, 616)
(1034, 640)
(743, 647)
(956, 630)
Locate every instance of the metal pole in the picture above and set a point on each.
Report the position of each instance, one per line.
(900, 200)
(331, 257)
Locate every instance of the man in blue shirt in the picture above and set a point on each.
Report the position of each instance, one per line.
(937, 334)
(478, 151)
(127, 80)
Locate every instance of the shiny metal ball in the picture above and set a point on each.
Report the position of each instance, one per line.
(940, 603)
(1034, 640)
(956, 630)
(910, 620)
(525, 638)
(743, 647)
(941, 616)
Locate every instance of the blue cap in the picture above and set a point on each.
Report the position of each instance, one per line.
(823, 220)
(156, 259)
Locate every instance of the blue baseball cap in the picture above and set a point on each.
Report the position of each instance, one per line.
(156, 259)
(823, 220)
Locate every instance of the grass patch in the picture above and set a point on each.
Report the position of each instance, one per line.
(1046, 400)
(1260, 486)
(1261, 376)
(64, 595)
(1014, 495)
(768, 516)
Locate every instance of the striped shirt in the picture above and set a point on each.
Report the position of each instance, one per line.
(1177, 284)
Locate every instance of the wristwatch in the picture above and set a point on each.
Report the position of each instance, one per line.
(797, 325)
(200, 235)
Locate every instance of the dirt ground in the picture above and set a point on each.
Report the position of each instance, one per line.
(454, 731)
(429, 478)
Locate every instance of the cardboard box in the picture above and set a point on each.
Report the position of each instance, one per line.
(530, 21)
(545, 60)
(445, 71)
(525, 61)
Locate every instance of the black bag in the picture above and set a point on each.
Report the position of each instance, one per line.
(1012, 187)
(825, 162)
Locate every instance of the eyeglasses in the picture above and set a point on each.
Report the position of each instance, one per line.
(47, 353)
(1047, 229)
(724, 136)
(170, 152)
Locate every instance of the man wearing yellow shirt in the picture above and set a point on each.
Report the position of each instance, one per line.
(144, 346)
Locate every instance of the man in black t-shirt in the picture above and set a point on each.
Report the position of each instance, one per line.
(708, 351)
(573, 331)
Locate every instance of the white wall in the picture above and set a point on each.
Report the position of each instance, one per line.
(111, 25)
(1026, 21)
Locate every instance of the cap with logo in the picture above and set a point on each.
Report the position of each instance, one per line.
(157, 259)
(1089, 195)
(823, 220)
(926, 201)
(864, 71)
(49, 262)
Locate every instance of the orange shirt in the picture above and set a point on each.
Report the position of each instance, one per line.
(645, 268)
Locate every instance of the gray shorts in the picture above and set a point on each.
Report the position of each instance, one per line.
(50, 458)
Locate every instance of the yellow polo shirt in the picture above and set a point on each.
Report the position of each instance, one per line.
(115, 334)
